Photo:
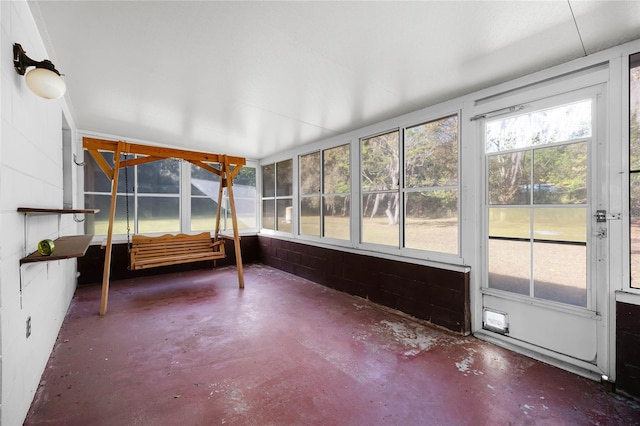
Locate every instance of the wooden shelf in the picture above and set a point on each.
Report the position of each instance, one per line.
(65, 248)
(32, 210)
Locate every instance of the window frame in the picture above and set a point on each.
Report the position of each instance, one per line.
(276, 198)
(322, 194)
(183, 195)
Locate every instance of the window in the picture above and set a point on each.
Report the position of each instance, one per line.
(277, 196)
(409, 183)
(158, 196)
(380, 168)
(156, 203)
(325, 209)
(205, 187)
(97, 195)
(634, 167)
(431, 186)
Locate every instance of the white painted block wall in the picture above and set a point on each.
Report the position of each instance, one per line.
(31, 175)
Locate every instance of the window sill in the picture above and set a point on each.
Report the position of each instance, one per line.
(630, 297)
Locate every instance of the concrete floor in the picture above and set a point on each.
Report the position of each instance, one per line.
(193, 349)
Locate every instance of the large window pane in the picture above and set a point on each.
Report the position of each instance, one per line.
(379, 162)
(204, 183)
(337, 223)
(432, 221)
(203, 214)
(269, 214)
(96, 181)
(98, 224)
(269, 180)
(336, 209)
(284, 178)
(310, 174)
(336, 168)
(159, 177)
(379, 218)
(158, 214)
(245, 213)
(284, 214)
(431, 153)
(310, 216)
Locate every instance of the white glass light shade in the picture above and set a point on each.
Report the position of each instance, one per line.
(45, 83)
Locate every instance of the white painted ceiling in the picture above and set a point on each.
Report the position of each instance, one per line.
(256, 78)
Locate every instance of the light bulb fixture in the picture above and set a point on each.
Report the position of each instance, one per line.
(44, 80)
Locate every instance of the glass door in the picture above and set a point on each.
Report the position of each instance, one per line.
(543, 245)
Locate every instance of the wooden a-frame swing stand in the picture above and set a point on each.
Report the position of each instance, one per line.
(229, 168)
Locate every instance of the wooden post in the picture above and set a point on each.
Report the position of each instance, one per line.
(112, 214)
(234, 221)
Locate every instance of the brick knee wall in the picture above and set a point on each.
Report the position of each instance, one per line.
(436, 295)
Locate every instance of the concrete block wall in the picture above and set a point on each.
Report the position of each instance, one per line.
(31, 175)
(628, 348)
(436, 295)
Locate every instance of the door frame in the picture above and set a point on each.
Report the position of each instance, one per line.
(595, 76)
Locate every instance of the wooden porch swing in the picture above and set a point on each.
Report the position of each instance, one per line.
(148, 252)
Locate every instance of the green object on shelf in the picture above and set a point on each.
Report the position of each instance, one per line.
(46, 247)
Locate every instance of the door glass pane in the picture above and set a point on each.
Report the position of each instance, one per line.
(509, 250)
(560, 254)
(509, 265)
(513, 223)
(560, 272)
(539, 251)
(562, 224)
(432, 221)
(336, 217)
(560, 174)
(509, 178)
(558, 124)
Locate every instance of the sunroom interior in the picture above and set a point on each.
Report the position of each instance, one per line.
(471, 166)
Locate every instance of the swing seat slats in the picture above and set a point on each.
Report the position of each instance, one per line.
(151, 252)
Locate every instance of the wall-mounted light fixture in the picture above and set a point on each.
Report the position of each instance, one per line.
(44, 80)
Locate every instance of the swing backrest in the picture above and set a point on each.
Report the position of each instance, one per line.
(150, 252)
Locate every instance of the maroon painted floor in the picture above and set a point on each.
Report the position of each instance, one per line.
(193, 349)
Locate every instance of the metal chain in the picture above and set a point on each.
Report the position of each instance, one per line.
(126, 200)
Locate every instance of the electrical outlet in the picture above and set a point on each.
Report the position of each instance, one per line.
(28, 327)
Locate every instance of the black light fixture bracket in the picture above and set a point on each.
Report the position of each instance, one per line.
(21, 61)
